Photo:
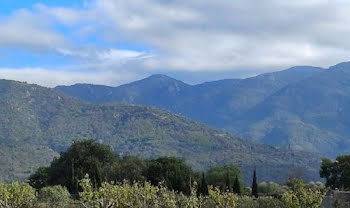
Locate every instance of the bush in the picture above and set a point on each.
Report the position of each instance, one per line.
(271, 188)
(54, 196)
(269, 202)
(247, 202)
(300, 196)
(148, 196)
(262, 202)
(16, 195)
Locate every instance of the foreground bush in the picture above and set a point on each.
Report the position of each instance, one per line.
(262, 202)
(146, 195)
(300, 196)
(16, 195)
(54, 196)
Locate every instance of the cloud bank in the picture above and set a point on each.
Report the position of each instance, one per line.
(144, 36)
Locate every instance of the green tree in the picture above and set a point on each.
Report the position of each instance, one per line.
(237, 188)
(203, 186)
(132, 169)
(219, 176)
(83, 157)
(228, 182)
(255, 185)
(40, 178)
(337, 173)
(173, 171)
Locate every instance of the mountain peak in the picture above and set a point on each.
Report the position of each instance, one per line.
(341, 66)
(159, 77)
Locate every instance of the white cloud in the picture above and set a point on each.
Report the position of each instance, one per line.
(30, 31)
(226, 35)
(63, 15)
(52, 77)
(193, 35)
(116, 55)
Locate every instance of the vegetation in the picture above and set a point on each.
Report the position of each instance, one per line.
(54, 196)
(38, 123)
(16, 195)
(222, 176)
(83, 157)
(337, 173)
(163, 182)
(175, 174)
(144, 195)
(301, 196)
(255, 185)
(237, 188)
(102, 164)
(301, 108)
(276, 108)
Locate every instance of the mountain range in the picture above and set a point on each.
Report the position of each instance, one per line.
(38, 123)
(302, 108)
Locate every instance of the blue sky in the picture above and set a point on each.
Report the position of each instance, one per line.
(113, 42)
(8, 6)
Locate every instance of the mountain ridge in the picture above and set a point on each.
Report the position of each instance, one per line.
(37, 123)
(223, 104)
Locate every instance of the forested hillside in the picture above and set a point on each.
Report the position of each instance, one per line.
(302, 108)
(37, 123)
(217, 103)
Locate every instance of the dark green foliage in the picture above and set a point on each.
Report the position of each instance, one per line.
(337, 173)
(83, 157)
(173, 172)
(237, 188)
(38, 123)
(203, 186)
(132, 168)
(223, 175)
(255, 185)
(228, 182)
(40, 178)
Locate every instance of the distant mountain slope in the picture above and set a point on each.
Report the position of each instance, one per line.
(216, 103)
(312, 114)
(36, 123)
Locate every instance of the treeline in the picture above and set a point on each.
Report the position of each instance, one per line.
(91, 175)
(102, 164)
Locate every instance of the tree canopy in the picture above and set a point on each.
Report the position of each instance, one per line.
(173, 172)
(337, 173)
(83, 157)
(103, 165)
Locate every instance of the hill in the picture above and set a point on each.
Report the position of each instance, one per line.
(37, 123)
(312, 114)
(235, 105)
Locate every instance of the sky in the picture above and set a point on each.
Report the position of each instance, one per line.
(112, 42)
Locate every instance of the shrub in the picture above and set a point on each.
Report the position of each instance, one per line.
(16, 195)
(301, 196)
(262, 202)
(54, 196)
